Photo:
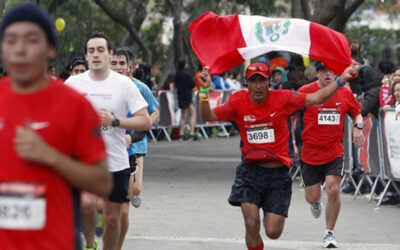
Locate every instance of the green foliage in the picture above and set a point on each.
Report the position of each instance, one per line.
(151, 35)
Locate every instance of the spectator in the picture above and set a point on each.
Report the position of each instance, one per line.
(279, 77)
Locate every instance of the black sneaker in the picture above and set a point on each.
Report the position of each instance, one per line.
(181, 138)
(193, 138)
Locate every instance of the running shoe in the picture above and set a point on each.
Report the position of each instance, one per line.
(93, 248)
(100, 225)
(316, 209)
(330, 240)
(136, 200)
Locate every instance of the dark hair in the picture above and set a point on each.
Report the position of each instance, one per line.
(121, 52)
(78, 61)
(181, 64)
(386, 67)
(131, 56)
(98, 34)
(170, 78)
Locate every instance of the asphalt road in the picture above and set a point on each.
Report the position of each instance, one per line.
(186, 186)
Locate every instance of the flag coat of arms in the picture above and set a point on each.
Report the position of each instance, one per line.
(223, 42)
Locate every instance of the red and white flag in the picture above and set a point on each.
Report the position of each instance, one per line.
(223, 42)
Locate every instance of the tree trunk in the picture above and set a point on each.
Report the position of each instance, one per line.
(326, 11)
(132, 31)
(177, 40)
(297, 11)
(344, 15)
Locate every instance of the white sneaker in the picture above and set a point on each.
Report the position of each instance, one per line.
(316, 209)
(330, 240)
(136, 200)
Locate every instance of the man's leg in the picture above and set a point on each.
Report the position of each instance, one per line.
(182, 123)
(333, 205)
(192, 121)
(313, 193)
(137, 184)
(88, 213)
(274, 225)
(124, 224)
(112, 225)
(252, 222)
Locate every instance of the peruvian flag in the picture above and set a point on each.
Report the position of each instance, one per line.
(223, 42)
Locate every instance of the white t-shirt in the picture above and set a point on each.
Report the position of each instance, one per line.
(118, 94)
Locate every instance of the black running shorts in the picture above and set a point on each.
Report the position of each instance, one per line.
(268, 188)
(313, 174)
(119, 192)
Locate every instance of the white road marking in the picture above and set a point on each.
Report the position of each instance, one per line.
(270, 243)
(195, 158)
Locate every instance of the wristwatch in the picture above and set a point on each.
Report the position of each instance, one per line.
(115, 123)
(358, 125)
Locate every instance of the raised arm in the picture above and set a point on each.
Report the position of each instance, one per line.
(324, 94)
(206, 113)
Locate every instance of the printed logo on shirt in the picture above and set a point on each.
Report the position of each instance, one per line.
(249, 118)
(39, 125)
(271, 115)
(338, 103)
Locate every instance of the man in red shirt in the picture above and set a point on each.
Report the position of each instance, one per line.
(50, 142)
(262, 179)
(322, 153)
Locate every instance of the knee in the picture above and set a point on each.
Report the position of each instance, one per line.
(312, 198)
(273, 233)
(333, 191)
(252, 225)
(88, 206)
(112, 220)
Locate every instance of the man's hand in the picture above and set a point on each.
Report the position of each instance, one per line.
(106, 117)
(358, 137)
(350, 72)
(31, 147)
(205, 78)
(128, 141)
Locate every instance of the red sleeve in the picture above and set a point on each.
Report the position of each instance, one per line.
(88, 144)
(295, 100)
(354, 106)
(225, 112)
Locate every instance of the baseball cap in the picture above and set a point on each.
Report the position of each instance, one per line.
(257, 68)
(319, 65)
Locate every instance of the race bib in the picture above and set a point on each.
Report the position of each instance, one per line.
(106, 130)
(328, 116)
(260, 133)
(22, 206)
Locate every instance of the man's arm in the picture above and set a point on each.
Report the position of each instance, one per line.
(206, 113)
(154, 116)
(324, 94)
(358, 136)
(139, 122)
(94, 178)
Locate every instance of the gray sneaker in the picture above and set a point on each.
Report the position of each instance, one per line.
(330, 240)
(136, 200)
(316, 209)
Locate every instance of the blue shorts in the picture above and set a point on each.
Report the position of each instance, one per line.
(268, 188)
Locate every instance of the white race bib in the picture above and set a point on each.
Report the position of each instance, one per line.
(328, 116)
(260, 133)
(22, 206)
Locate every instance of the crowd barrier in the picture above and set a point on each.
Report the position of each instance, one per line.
(170, 114)
(380, 155)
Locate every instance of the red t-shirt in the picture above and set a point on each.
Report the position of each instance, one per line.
(263, 126)
(37, 205)
(323, 125)
(385, 98)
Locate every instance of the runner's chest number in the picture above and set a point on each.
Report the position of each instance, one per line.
(260, 135)
(328, 116)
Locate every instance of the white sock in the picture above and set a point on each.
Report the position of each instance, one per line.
(327, 231)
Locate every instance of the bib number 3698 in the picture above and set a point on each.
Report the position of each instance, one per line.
(261, 135)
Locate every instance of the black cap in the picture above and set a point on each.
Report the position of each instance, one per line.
(30, 12)
(319, 65)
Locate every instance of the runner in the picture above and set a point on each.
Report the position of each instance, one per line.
(137, 144)
(113, 95)
(45, 157)
(322, 153)
(78, 66)
(262, 179)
